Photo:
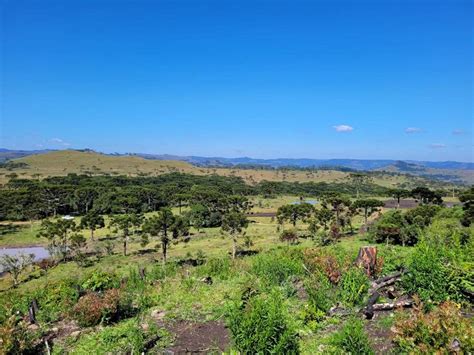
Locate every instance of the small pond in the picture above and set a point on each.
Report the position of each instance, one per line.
(40, 252)
(311, 202)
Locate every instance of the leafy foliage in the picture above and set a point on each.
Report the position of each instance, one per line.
(443, 330)
(351, 339)
(353, 287)
(261, 324)
(125, 337)
(276, 267)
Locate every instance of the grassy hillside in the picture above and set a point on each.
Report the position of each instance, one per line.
(61, 163)
(448, 175)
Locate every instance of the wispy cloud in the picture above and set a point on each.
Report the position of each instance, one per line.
(458, 132)
(343, 128)
(411, 130)
(438, 146)
(59, 141)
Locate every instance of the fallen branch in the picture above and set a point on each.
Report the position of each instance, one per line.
(385, 281)
(369, 310)
(389, 306)
(388, 277)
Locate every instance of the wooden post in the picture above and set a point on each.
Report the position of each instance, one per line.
(367, 259)
(32, 314)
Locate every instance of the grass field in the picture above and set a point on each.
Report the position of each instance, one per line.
(61, 163)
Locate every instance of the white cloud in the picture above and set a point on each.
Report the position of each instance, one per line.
(410, 130)
(59, 141)
(343, 128)
(458, 132)
(438, 146)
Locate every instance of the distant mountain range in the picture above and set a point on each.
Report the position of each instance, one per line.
(408, 166)
(356, 164)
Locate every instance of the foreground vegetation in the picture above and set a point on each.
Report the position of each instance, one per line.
(147, 259)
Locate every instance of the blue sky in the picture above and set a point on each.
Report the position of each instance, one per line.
(315, 79)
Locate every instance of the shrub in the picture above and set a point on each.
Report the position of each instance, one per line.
(124, 338)
(320, 298)
(326, 262)
(162, 271)
(217, 267)
(260, 324)
(289, 236)
(55, 300)
(15, 338)
(99, 281)
(88, 310)
(352, 339)
(434, 274)
(320, 293)
(441, 331)
(46, 264)
(394, 258)
(92, 308)
(274, 268)
(353, 287)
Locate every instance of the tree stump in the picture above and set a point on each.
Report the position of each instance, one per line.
(367, 259)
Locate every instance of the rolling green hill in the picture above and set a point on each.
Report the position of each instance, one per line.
(60, 163)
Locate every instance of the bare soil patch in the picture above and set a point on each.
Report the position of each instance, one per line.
(380, 337)
(195, 338)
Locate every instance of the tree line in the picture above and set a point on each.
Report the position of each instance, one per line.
(29, 199)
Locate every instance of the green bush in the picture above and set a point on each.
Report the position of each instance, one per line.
(274, 268)
(54, 300)
(320, 293)
(394, 258)
(217, 267)
(261, 325)
(161, 272)
(127, 337)
(99, 281)
(320, 299)
(435, 272)
(16, 338)
(352, 339)
(353, 287)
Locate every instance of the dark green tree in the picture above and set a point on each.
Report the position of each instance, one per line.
(368, 206)
(165, 226)
(63, 236)
(92, 221)
(127, 224)
(467, 199)
(426, 196)
(234, 223)
(338, 203)
(398, 194)
(293, 213)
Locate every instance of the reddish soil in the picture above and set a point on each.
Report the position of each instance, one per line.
(193, 338)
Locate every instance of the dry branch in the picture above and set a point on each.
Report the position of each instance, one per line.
(369, 310)
(385, 281)
(389, 306)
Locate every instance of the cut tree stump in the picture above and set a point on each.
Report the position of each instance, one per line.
(367, 259)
